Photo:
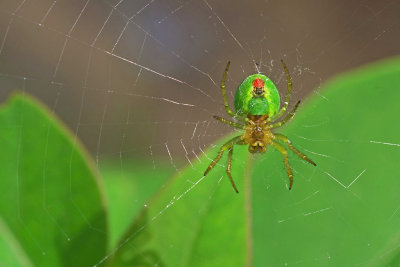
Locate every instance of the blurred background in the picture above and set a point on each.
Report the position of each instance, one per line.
(141, 78)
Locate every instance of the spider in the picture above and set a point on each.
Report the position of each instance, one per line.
(257, 104)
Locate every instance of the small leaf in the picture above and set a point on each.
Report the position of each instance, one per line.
(51, 204)
(129, 189)
(343, 212)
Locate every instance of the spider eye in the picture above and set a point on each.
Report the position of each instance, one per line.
(258, 91)
(258, 87)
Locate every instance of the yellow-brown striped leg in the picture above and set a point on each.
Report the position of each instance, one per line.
(225, 147)
(228, 169)
(287, 97)
(287, 118)
(223, 89)
(283, 138)
(284, 153)
(231, 123)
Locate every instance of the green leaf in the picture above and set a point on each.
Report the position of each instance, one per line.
(51, 205)
(344, 212)
(11, 252)
(128, 190)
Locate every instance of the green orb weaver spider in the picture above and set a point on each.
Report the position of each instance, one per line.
(257, 104)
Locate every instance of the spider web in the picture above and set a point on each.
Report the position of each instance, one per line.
(140, 79)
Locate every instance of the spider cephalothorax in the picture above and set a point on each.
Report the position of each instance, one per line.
(257, 133)
(257, 106)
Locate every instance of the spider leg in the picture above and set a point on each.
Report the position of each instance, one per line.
(287, 118)
(284, 139)
(284, 153)
(227, 146)
(231, 123)
(226, 104)
(287, 97)
(228, 169)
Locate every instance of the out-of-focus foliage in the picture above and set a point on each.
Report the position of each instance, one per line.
(128, 189)
(52, 211)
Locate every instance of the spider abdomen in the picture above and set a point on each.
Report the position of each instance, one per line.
(257, 95)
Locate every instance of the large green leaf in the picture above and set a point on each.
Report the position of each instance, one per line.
(344, 212)
(51, 208)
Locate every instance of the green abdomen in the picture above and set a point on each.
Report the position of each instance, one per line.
(247, 104)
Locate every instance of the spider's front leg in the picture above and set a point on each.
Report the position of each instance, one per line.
(288, 92)
(227, 146)
(223, 89)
